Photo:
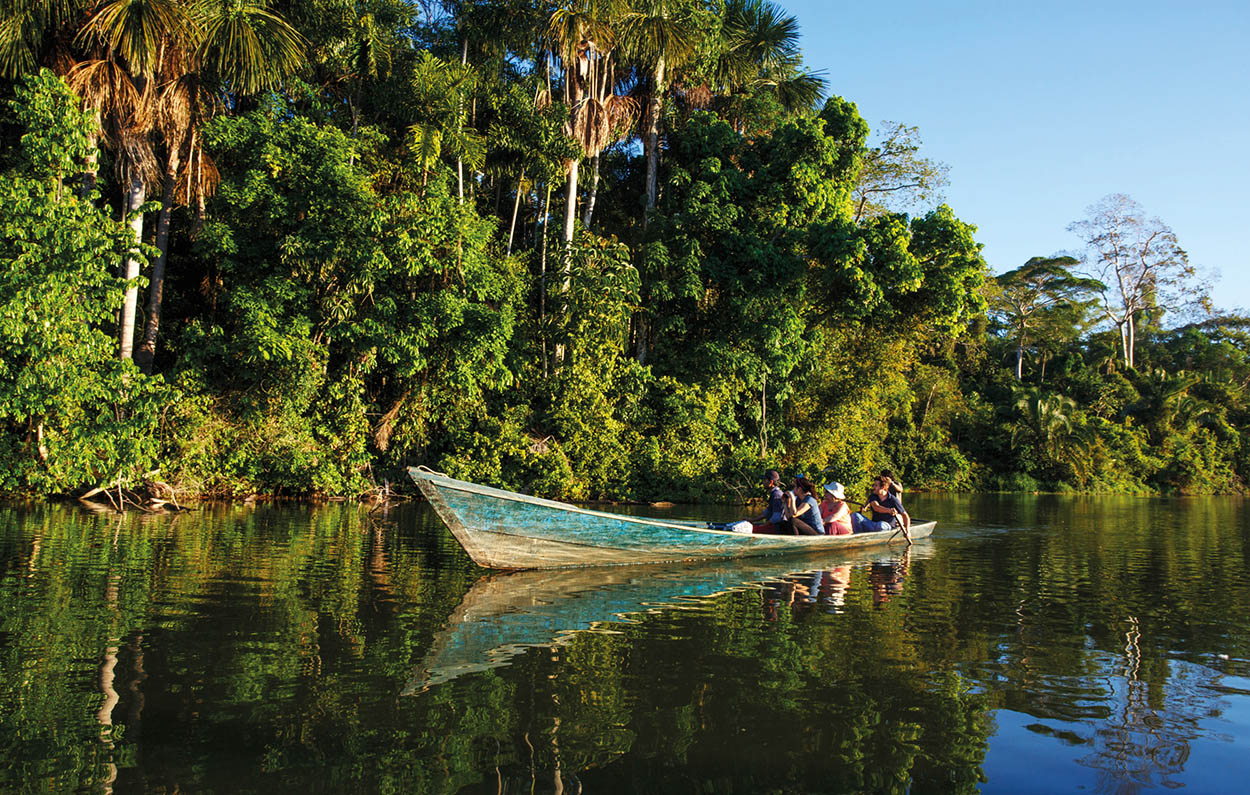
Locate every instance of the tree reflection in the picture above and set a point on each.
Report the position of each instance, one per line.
(1145, 740)
(265, 647)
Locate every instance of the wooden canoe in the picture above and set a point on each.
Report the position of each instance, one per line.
(504, 614)
(505, 530)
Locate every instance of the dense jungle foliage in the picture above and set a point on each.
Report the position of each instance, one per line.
(594, 249)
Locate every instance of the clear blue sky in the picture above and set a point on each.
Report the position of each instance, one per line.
(1041, 109)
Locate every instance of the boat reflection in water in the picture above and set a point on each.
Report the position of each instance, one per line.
(504, 614)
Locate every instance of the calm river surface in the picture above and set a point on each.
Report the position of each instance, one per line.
(1034, 644)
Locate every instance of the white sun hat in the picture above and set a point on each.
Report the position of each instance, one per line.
(836, 490)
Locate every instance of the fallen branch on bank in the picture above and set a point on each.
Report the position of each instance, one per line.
(151, 497)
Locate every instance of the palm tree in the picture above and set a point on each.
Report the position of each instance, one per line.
(32, 35)
(183, 104)
(1048, 422)
(1162, 394)
(439, 89)
(142, 67)
(236, 46)
(126, 42)
(246, 46)
(582, 36)
(662, 35)
(759, 51)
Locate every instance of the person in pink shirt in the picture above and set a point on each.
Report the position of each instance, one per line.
(835, 512)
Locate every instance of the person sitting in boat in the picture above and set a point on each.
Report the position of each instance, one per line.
(835, 511)
(896, 489)
(802, 511)
(880, 509)
(774, 512)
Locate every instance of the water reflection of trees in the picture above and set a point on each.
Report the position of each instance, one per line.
(258, 647)
(1111, 627)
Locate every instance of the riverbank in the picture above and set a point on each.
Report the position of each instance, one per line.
(289, 361)
(167, 500)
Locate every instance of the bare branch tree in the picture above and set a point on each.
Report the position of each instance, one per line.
(894, 176)
(1142, 265)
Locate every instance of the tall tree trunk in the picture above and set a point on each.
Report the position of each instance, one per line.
(156, 290)
(924, 417)
(1020, 359)
(594, 192)
(764, 416)
(464, 59)
(516, 205)
(135, 195)
(570, 211)
(566, 267)
(542, 281)
(653, 135)
(1124, 343)
(535, 240)
(197, 220)
(654, 106)
(92, 166)
(1130, 342)
(643, 339)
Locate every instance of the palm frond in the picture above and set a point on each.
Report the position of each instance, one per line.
(137, 30)
(659, 29)
(123, 108)
(802, 91)
(25, 28)
(425, 141)
(135, 155)
(624, 112)
(248, 46)
(759, 38)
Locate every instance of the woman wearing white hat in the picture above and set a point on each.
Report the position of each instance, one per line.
(834, 510)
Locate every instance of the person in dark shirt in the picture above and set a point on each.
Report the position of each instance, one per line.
(880, 509)
(896, 489)
(774, 513)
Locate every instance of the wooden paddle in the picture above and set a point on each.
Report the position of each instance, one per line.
(899, 521)
(903, 530)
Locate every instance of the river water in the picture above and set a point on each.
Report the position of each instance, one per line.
(1034, 644)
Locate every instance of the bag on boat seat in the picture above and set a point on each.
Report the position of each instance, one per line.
(741, 527)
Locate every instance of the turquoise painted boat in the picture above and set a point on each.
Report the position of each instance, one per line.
(505, 530)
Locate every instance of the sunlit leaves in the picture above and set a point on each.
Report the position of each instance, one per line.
(71, 415)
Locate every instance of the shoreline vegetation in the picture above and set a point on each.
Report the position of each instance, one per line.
(145, 501)
(617, 251)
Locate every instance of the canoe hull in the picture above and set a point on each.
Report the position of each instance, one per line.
(504, 530)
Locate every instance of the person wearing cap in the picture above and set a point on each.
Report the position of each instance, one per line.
(835, 512)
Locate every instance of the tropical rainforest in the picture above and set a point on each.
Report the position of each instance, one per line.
(603, 249)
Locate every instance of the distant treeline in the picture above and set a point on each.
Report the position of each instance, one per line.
(596, 249)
